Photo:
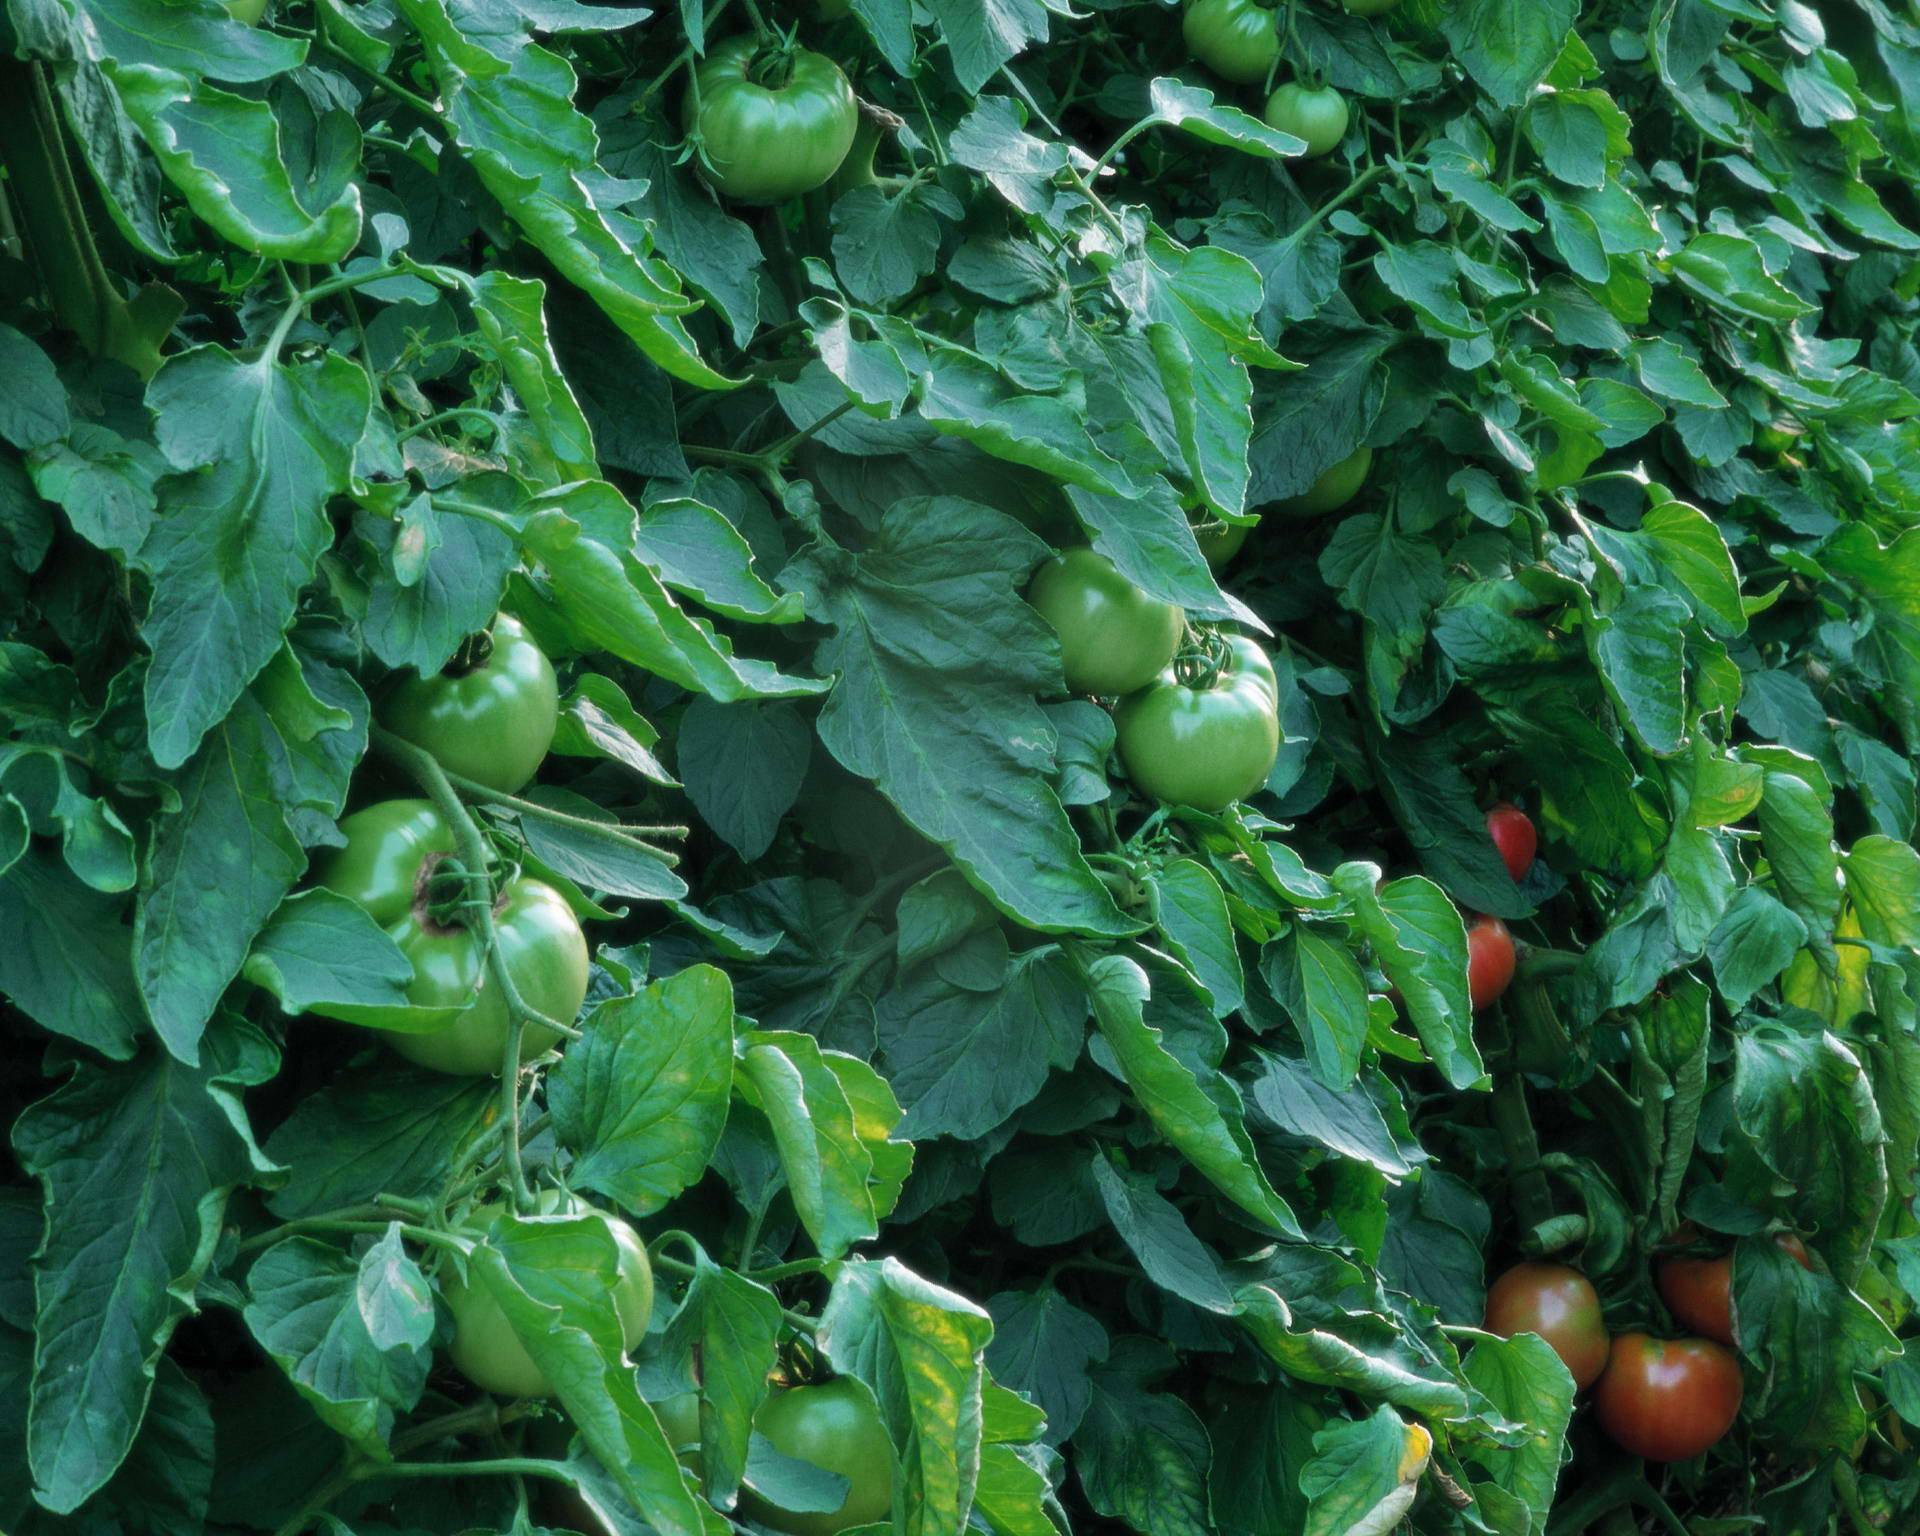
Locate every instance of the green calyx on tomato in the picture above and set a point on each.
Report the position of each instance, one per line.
(485, 1348)
(1113, 637)
(1206, 733)
(393, 865)
(1490, 960)
(490, 715)
(1317, 116)
(835, 1426)
(1239, 40)
(1559, 1304)
(1337, 485)
(772, 122)
(1512, 832)
(1699, 1291)
(1667, 1399)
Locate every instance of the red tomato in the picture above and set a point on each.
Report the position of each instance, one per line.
(1512, 832)
(1560, 1305)
(1489, 960)
(1667, 1399)
(1699, 1292)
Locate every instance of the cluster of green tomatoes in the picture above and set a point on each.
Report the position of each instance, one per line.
(1239, 40)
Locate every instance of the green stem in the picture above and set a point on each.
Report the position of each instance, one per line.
(425, 1235)
(673, 1266)
(452, 413)
(624, 836)
(775, 454)
(1532, 1196)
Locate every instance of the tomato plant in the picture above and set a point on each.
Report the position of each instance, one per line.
(1319, 116)
(1490, 960)
(1219, 542)
(1559, 1304)
(1512, 832)
(487, 1350)
(1668, 1399)
(1207, 738)
(1698, 1291)
(1369, 7)
(1333, 488)
(772, 123)
(490, 715)
(1113, 637)
(393, 853)
(1236, 39)
(836, 1426)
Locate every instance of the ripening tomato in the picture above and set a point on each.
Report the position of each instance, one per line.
(489, 715)
(1699, 1292)
(1337, 485)
(1239, 40)
(1113, 637)
(836, 1426)
(1559, 1304)
(1318, 117)
(485, 1348)
(1512, 832)
(1489, 960)
(772, 122)
(1667, 1399)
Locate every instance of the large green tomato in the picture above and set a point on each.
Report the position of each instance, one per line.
(489, 1353)
(1338, 484)
(392, 851)
(771, 126)
(1236, 39)
(837, 1427)
(1203, 747)
(1320, 117)
(1113, 637)
(491, 722)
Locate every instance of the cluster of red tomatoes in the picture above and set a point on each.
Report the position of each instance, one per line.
(1664, 1399)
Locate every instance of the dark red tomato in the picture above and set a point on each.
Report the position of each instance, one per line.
(1667, 1399)
(1560, 1305)
(1489, 960)
(1512, 832)
(1699, 1292)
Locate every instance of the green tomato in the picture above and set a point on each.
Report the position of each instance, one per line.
(1113, 637)
(835, 1426)
(492, 722)
(1236, 39)
(1369, 7)
(1319, 117)
(1203, 747)
(392, 851)
(246, 12)
(1220, 542)
(485, 1348)
(1338, 484)
(770, 130)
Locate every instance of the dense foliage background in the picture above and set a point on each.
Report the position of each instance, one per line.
(1083, 1132)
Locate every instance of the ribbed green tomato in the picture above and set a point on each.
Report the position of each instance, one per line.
(485, 1348)
(1369, 7)
(492, 721)
(1113, 637)
(1338, 484)
(1239, 40)
(837, 1427)
(771, 125)
(1318, 116)
(1203, 747)
(392, 851)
